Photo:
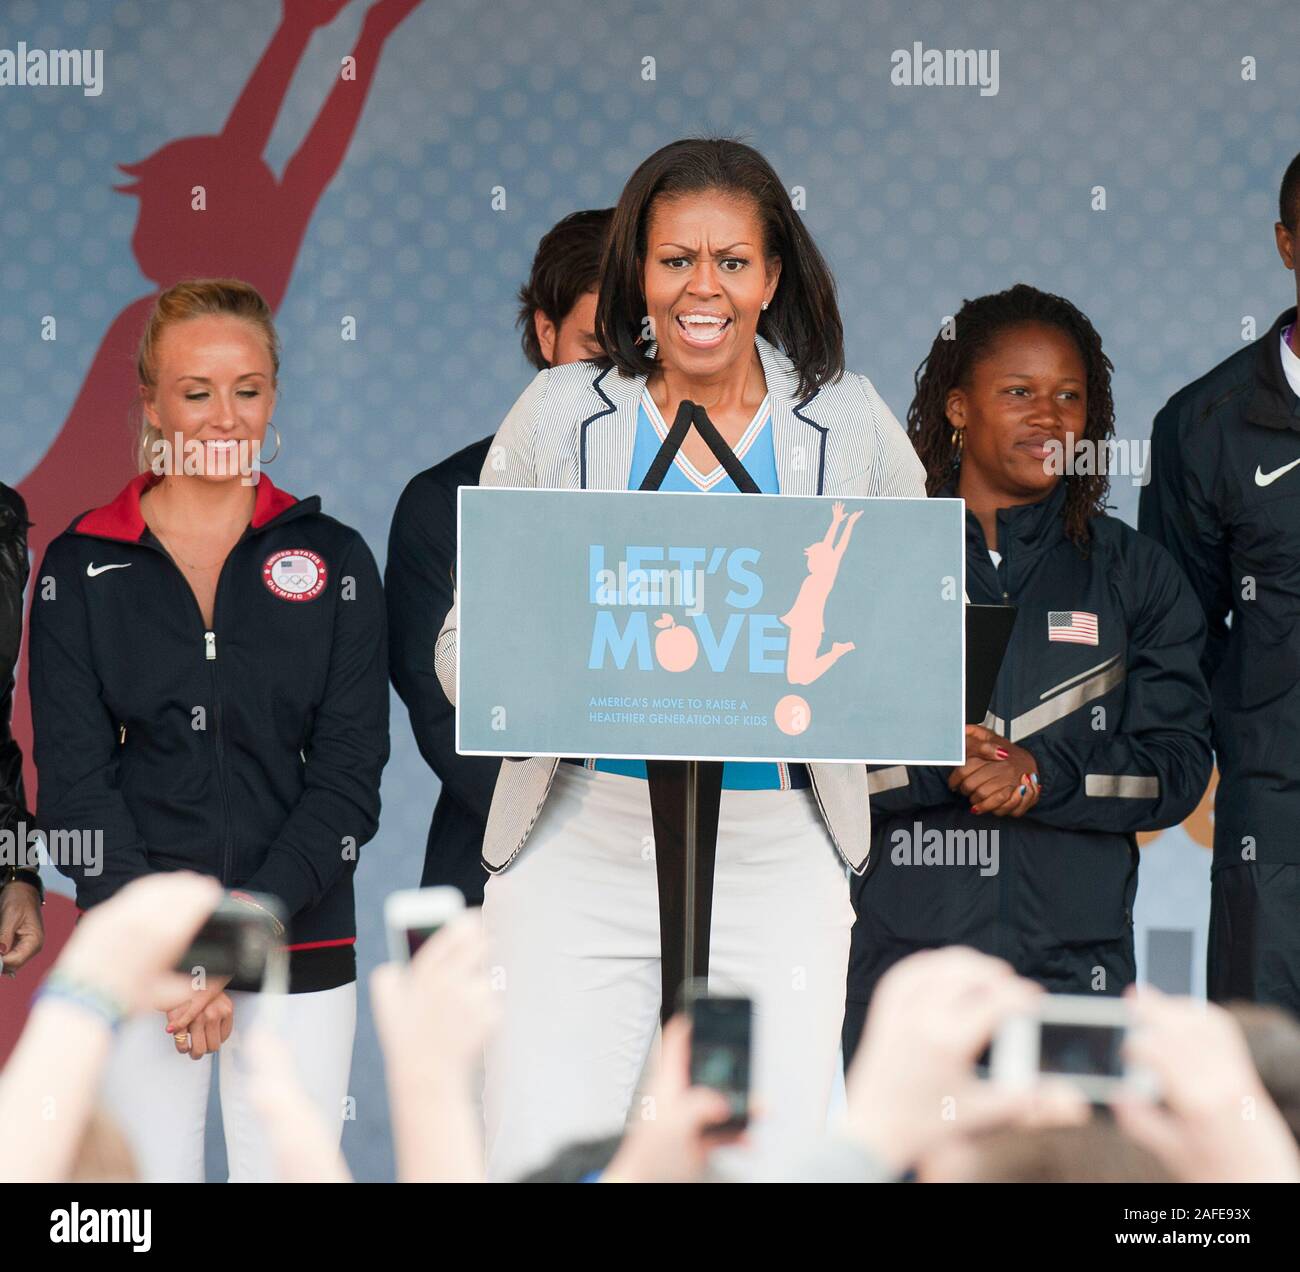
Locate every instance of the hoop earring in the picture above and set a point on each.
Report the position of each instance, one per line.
(262, 459)
(958, 436)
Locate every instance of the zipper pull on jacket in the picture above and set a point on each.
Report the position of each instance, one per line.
(210, 646)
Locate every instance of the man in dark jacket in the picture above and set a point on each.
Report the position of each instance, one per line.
(1224, 498)
(557, 313)
(21, 891)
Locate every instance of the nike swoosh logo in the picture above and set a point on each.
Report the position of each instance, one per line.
(92, 570)
(1267, 479)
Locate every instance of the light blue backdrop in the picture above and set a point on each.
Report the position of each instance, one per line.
(918, 196)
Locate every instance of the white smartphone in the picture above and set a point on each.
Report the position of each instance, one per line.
(412, 916)
(1071, 1036)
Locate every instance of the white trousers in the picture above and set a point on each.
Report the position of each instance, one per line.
(573, 931)
(159, 1098)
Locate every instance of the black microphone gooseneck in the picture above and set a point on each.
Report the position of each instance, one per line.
(686, 795)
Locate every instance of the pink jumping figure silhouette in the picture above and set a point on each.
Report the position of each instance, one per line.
(251, 227)
(806, 618)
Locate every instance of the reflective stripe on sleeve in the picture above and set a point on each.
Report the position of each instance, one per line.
(1121, 785)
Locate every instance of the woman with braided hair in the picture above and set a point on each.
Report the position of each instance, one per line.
(945, 373)
(1099, 724)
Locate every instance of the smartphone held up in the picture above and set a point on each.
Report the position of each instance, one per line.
(721, 1048)
(413, 915)
(1075, 1037)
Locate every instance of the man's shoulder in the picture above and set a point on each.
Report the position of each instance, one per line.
(11, 502)
(1221, 391)
(427, 506)
(1117, 542)
(13, 514)
(460, 469)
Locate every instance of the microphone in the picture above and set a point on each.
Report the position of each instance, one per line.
(689, 413)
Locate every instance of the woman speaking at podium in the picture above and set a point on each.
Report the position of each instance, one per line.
(712, 291)
(1099, 725)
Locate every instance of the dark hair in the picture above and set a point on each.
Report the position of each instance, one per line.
(567, 265)
(948, 365)
(1288, 199)
(803, 319)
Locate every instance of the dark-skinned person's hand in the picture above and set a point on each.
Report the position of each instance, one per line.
(998, 777)
(21, 931)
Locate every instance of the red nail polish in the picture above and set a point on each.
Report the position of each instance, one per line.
(974, 808)
(1001, 754)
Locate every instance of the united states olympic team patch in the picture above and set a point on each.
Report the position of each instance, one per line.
(294, 574)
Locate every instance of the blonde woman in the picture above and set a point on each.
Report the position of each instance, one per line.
(209, 691)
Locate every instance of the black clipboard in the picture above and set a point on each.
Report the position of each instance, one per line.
(988, 633)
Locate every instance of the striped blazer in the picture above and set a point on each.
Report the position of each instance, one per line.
(574, 428)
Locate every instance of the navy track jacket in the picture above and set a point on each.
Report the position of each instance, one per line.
(251, 750)
(1101, 684)
(1224, 498)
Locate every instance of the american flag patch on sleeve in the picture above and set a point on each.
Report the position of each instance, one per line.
(1072, 625)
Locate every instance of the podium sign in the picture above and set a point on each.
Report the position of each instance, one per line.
(664, 625)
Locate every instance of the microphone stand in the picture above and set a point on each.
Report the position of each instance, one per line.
(686, 795)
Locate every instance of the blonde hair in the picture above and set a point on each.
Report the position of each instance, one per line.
(197, 298)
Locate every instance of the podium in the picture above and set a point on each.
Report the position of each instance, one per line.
(580, 637)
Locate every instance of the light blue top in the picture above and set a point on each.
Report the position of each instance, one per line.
(755, 451)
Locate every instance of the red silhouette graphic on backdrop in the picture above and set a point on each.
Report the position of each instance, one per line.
(252, 229)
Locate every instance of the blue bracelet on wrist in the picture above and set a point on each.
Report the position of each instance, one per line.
(86, 996)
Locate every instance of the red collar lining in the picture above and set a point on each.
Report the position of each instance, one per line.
(122, 518)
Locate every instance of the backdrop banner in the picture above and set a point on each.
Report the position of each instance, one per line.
(665, 625)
